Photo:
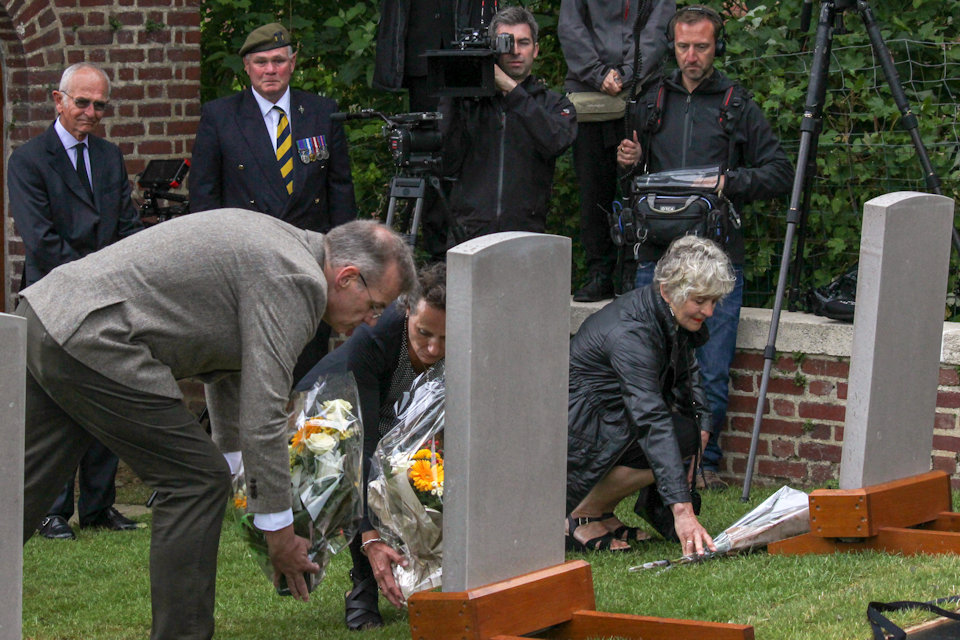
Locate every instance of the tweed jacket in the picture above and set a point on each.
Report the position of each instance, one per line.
(229, 297)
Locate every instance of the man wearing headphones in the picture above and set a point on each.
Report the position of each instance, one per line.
(700, 117)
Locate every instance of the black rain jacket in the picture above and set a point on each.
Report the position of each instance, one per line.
(691, 135)
(631, 365)
(501, 152)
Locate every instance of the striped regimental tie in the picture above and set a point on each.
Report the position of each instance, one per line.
(285, 151)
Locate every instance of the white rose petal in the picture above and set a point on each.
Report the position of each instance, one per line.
(320, 443)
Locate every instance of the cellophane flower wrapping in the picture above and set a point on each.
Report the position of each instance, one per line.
(326, 451)
(405, 487)
(784, 514)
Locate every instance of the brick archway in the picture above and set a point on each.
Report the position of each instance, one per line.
(150, 49)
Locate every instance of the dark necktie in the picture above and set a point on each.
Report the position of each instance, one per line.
(82, 170)
(285, 151)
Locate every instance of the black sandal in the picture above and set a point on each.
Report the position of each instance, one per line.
(363, 611)
(600, 543)
(627, 534)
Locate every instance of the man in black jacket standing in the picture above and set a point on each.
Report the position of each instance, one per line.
(501, 150)
(704, 118)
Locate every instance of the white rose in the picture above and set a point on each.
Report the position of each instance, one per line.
(320, 443)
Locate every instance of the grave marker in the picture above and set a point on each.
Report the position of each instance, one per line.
(13, 357)
(508, 335)
(897, 330)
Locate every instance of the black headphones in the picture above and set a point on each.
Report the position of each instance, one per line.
(709, 14)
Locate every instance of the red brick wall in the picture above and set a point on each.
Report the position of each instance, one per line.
(802, 430)
(150, 49)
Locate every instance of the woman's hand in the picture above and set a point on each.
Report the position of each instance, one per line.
(382, 557)
(694, 539)
(628, 153)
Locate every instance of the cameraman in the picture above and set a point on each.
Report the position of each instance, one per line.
(500, 151)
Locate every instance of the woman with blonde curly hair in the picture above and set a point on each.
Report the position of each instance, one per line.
(637, 412)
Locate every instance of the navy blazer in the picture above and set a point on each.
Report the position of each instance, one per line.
(53, 212)
(234, 163)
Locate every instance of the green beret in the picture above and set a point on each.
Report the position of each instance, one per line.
(269, 36)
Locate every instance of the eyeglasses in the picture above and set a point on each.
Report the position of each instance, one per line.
(376, 307)
(83, 103)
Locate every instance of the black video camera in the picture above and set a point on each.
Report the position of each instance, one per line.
(466, 69)
(156, 181)
(414, 138)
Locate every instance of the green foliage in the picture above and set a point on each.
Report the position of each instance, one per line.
(862, 151)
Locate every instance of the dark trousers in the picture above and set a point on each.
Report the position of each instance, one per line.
(97, 474)
(595, 162)
(67, 406)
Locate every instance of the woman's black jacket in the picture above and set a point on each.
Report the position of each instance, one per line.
(631, 365)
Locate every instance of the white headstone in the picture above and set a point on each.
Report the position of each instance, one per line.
(508, 340)
(897, 330)
(13, 358)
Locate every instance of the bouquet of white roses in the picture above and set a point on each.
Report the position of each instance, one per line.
(326, 449)
(405, 488)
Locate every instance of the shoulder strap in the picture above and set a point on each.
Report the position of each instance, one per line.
(883, 628)
(731, 110)
(650, 116)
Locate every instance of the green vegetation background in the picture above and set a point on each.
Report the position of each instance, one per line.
(862, 151)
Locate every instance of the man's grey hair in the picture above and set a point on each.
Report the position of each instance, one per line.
(513, 16)
(371, 248)
(694, 267)
(72, 69)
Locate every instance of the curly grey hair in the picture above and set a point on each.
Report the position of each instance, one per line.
(696, 267)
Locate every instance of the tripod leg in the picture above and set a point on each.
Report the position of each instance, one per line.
(800, 260)
(809, 130)
(909, 119)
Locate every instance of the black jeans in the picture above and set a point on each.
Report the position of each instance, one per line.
(595, 162)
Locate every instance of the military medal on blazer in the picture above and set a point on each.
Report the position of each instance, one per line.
(313, 149)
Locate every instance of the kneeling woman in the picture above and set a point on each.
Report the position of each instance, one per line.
(636, 407)
(409, 339)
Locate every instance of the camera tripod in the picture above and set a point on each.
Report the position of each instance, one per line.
(412, 189)
(830, 21)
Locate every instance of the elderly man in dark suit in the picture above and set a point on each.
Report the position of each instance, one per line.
(273, 149)
(70, 196)
(229, 297)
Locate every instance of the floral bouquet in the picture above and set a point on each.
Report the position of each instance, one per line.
(326, 449)
(405, 489)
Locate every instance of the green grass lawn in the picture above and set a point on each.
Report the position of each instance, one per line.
(98, 587)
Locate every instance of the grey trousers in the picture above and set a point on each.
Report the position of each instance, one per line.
(67, 404)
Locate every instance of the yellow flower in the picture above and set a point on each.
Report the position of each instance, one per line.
(425, 476)
(240, 501)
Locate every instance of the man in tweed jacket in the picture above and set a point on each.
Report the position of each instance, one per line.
(229, 297)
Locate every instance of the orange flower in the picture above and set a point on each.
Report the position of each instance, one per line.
(425, 476)
(240, 502)
(308, 429)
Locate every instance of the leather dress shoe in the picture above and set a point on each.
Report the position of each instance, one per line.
(56, 528)
(110, 519)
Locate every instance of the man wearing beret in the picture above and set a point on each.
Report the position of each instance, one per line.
(273, 149)
(270, 148)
